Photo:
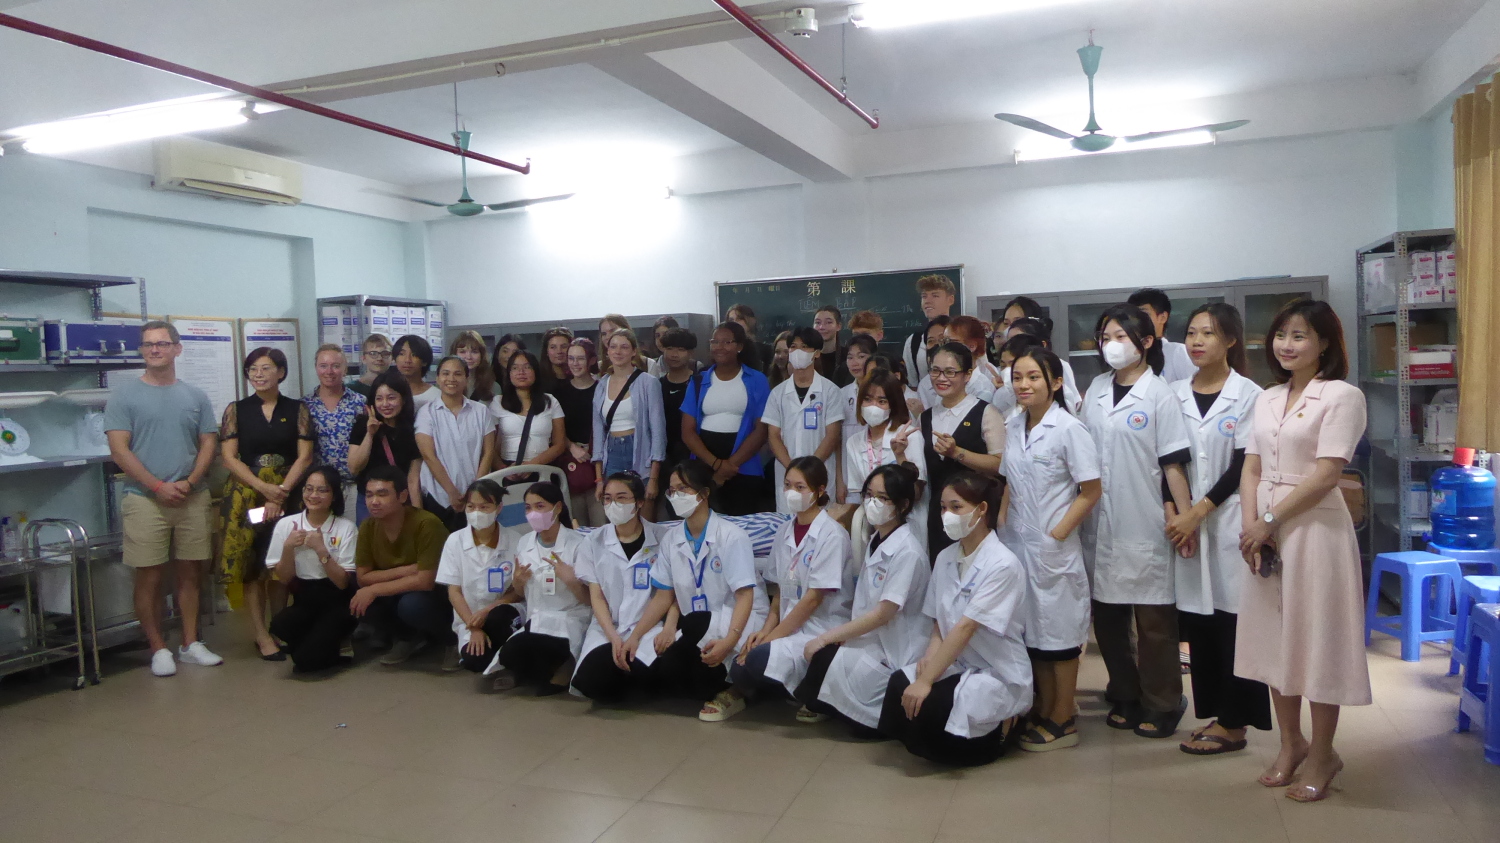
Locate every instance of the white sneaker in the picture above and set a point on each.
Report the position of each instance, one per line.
(196, 653)
(162, 663)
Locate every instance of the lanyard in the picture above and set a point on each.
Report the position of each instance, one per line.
(698, 575)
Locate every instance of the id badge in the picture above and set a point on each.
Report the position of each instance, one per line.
(642, 576)
(810, 418)
(700, 603)
(548, 575)
(498, 579)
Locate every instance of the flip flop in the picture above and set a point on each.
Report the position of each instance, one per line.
(1224, 744)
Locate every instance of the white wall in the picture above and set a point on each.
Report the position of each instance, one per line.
(1275, 207)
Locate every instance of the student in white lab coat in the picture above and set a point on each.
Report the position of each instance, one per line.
(1136, 422)
(707, 568)
(1176, 364)
(1052, 473)
(1217, 405)
(545, 651)
(805, 413)
(960, 701)
(479, 565)
(850, 665)
(617, 569)
(1038, 330)
(813, 571)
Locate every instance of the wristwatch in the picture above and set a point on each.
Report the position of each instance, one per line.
(1268, 518)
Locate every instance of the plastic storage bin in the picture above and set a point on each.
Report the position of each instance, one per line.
(1463, 503)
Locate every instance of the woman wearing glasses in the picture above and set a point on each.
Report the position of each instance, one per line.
(958, 432)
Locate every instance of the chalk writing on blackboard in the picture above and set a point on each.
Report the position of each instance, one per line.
(815, 288)
(848, 286)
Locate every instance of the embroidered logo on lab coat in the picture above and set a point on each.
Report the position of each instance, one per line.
(878, 576)
(1138, 420)
(1227, 425)
(716, 564)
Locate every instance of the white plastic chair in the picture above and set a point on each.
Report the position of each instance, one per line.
(513, 504)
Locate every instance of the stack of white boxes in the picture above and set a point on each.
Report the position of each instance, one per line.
(377, 320)
(1423, 285)
(1447, 273)
(398, 322)
(339, 325)
(435, 324)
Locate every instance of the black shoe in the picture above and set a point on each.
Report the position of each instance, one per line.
(550, 689)
(1124, 715)
(1161, 724)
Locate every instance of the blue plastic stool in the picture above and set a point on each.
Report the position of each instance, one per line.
(1484, 562)
(1471, 590)
(1426, 609)
(1475, 702)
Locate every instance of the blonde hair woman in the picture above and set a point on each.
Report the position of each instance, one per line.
(469, 347)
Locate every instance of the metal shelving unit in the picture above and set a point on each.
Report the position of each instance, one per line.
(360, 302)
(1396, 458)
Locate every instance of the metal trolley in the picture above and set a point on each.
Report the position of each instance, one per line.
(50, 636)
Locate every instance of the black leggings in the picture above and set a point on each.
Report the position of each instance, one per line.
(750, 678)
(533, 657)
(680, 671)
(315, 624)
(812, 682)
(601, 680)
(498, 625)
(1217, 693)
(926, 736)
(742, 494)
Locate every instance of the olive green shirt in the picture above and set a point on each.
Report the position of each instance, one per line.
(420, 542)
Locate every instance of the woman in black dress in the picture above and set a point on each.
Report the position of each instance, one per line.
(576, 396)
(267, 443)
(387, 436)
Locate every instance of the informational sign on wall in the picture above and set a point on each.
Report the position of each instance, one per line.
(281, 334)
(210, 360)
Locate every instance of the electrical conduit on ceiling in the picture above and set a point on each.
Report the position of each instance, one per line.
(30, 27)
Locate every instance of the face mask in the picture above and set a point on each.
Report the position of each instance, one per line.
(480, 520)
(797, 501)
(800, 358)
(683, 504)
(874, 416)
(541, 521)
(956, 526)
(1119, 354)
(878, 513)
(619, 513)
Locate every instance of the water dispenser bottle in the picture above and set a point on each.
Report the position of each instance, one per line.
(1463, 504)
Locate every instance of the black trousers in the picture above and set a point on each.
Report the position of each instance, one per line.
(314, 624)
(533, 657)
(498, 625)
(812, 681)
(742, 494)
(680, 672)
(1217, 693)
(601, 680)
(454, 521)
(413, 614)
(1149, 674)
(925, 736)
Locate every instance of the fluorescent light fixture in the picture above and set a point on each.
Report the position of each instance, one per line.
(885, 14)
(1061, 149)
(155, 120)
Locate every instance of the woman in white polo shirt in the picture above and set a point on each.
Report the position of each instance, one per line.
(312, 552)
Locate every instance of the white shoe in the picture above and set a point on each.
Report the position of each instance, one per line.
(162, 663)
(196, 653)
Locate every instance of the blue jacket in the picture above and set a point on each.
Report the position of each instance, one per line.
(757, 391)
(650, 423)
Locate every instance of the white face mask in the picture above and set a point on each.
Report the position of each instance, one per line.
(878, 513)
(800, 358)
(956, 526)
(1120, 355)
(683, 504)
(619, 513)
(874, 416)
(797, 501)
(480, 520)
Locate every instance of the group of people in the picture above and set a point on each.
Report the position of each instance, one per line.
(954, 519)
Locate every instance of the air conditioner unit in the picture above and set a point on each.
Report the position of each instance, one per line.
(225, 172)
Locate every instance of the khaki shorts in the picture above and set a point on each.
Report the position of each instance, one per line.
(155, 534)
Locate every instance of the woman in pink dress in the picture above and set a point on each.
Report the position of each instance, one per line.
(1301, 613)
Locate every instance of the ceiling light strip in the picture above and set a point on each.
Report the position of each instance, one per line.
(33, 28)
(765, 35)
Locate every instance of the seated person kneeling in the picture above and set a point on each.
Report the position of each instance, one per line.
(312, 552)
(478, 567)
(397, 560)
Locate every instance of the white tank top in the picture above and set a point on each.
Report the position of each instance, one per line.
(624, 416)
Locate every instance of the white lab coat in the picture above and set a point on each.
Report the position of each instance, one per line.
(896, 572)
(1210, 579)
(822, 561)
(803, 423)
(1043, 469)
(1178, 364)
(481, 573)
(625, 583)
(722, 566)
(1125, 541)
(1005, 396)
(996, 683)
(559, 613)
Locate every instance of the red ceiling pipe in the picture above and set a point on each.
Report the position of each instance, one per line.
(765, 35)
(23, 25)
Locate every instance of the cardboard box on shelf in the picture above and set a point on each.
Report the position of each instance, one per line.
(377, 320)
(1380, 283)
(1447, 261)
(1383, 344)
(435, 320)
(1449, 282)
(398, 321)
(333, 324)
(416, 320)
(1422, 285)
(1440, 426)
(1426, 362)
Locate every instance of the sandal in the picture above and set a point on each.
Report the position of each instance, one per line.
(807, 715)
(1046, 736)
(721, 707)
(1224, 744)
(1123, 715)
(1160, 724)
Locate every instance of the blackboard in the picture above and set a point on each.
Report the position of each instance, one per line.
(784, 303)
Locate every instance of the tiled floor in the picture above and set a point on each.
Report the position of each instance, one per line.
(244, 753)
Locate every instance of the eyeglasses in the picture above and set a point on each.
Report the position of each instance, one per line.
(947, 374)
(157, 346)
(378, 355)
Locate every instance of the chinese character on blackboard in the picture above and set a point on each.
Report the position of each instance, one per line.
(774, 287)
(848, 286)
(814, 288)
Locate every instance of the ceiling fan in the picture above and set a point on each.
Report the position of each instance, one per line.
(1092, 140)
(466, 206)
